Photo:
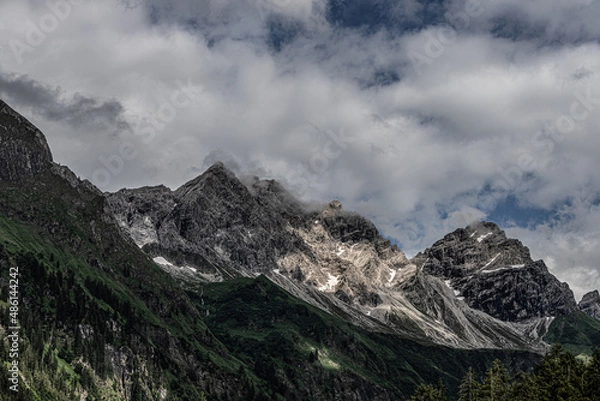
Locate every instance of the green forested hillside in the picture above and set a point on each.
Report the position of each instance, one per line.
(296, 347)
(578, 333)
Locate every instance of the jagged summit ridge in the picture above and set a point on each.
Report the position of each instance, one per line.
(23, 148)
(496, 274)
(480, 246)
(214, 221)
(215, 176)
(331, 257)
(590, 304)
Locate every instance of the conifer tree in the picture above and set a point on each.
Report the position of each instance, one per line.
(468, 389)
(591, 377)
(525, 388)
(559, 375)
(496, 386)
(428, 392)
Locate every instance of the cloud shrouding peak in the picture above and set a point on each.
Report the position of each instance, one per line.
(424, 116)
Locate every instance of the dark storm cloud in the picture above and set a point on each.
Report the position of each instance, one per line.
(78, 111)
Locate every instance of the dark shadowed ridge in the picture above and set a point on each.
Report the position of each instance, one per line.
(23, 148)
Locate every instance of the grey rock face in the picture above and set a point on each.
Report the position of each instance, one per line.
(141, 210)
(326, 255)
(590, 304)
(464, 291)
(496, 274)
(214, 219)
(23, 148)
(518, 294)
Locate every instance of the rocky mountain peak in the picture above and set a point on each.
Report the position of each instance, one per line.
(335, 205)
(216, 178)
(270, 194)
(496, 274)
(214, 222)
(590, 304)
(480, 246)
(485, 230)
(23, 148)
(592, 296)
(347, 226)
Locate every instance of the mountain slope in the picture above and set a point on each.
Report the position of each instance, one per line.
(97, 316)
(101, 320)
(319, 344)
(590, 304)
(496, 274)
(222, 228)
(577, 332)
(23, 149)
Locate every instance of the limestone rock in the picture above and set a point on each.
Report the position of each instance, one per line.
(590, 304)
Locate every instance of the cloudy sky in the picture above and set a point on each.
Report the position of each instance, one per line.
(422, 115)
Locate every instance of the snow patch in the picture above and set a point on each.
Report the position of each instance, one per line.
(340, 251)
(494, 271)
(162, 261)
(456, 292)
(504, 268)
(491, 261)
(484, 236)
(331, 283)
(392, 275)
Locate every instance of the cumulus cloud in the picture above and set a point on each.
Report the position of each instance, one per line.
(409, 114)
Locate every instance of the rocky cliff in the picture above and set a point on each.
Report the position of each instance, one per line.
(214, 222)
(217, 227)
(590, 304)
(23, 149)
(496, 274)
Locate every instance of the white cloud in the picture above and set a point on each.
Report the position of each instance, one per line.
(570, 244)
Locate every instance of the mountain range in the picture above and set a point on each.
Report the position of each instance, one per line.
(230, 288)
